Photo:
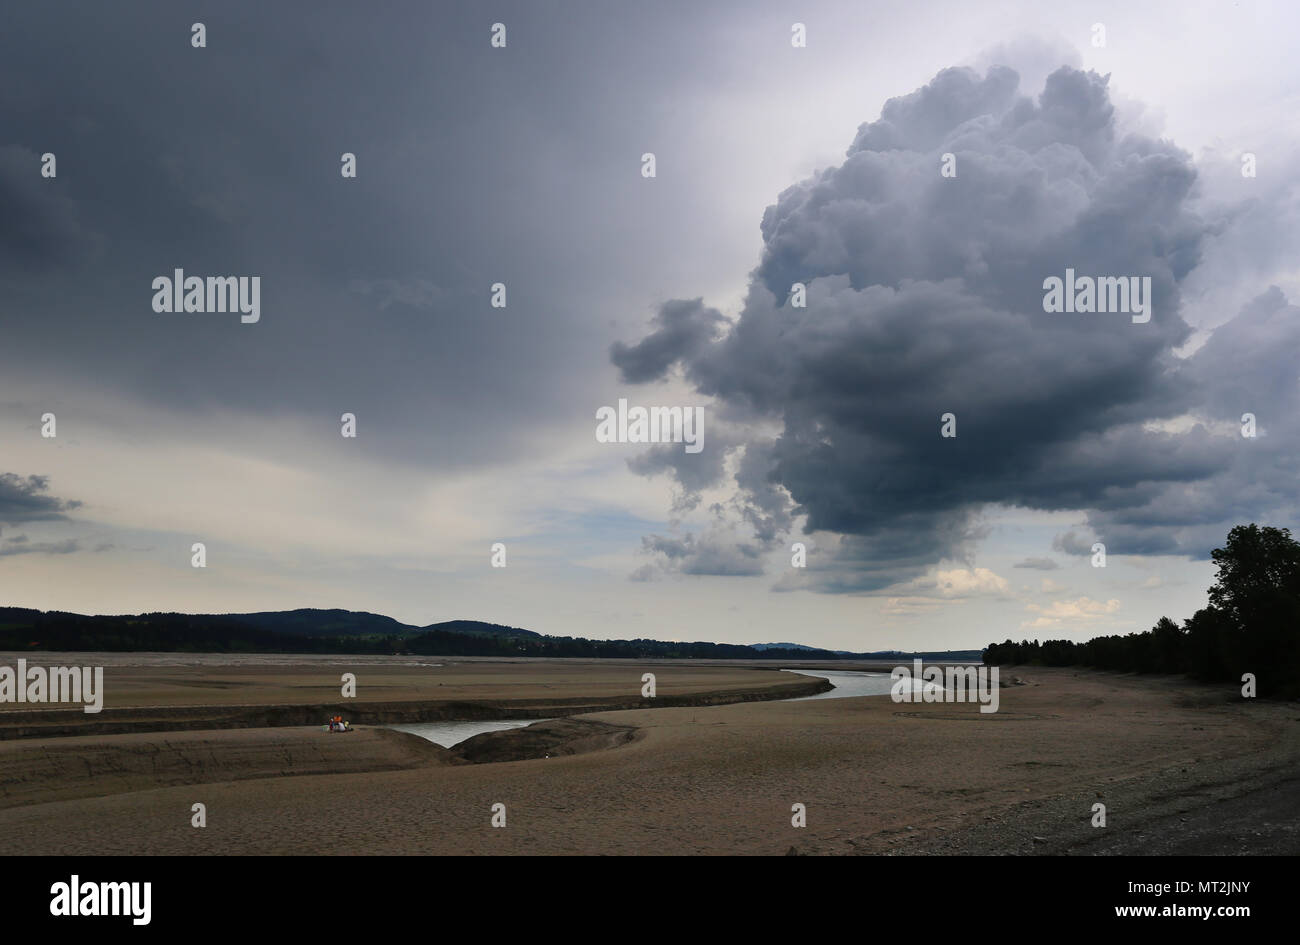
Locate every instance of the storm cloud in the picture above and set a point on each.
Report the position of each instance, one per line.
(682, 329)
(925, 297)
(521, 165)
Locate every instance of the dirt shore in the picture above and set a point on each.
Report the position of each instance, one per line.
(168, 692)
(1180, 768)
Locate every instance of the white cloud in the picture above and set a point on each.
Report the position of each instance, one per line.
(1082, 609)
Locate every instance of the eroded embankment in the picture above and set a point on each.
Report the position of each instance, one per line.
(70, 722)
(544, 740)
(37, 772)
(58, 769)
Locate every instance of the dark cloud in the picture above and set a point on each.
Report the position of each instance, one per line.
(1239, 369)
(925, 296)
(712, 552)
(924, 119)
(27, 500)
(898, 551)
(693, 471)
(682, 328)
(475, 166)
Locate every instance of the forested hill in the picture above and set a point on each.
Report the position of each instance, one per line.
(344, 631)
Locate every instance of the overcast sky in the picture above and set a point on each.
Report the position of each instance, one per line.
(522, 165)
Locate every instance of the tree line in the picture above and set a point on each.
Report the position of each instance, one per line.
(1251, 625)
(34, 630)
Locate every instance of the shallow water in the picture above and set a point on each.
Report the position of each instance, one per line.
(451, 732)
(847, 684)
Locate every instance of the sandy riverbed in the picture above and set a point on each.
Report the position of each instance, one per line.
(875, 776)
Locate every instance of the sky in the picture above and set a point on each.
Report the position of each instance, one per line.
(1106, 138)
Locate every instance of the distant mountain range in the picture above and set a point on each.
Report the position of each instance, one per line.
(310, 630)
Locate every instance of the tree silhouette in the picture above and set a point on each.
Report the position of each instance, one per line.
(1252, 624)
